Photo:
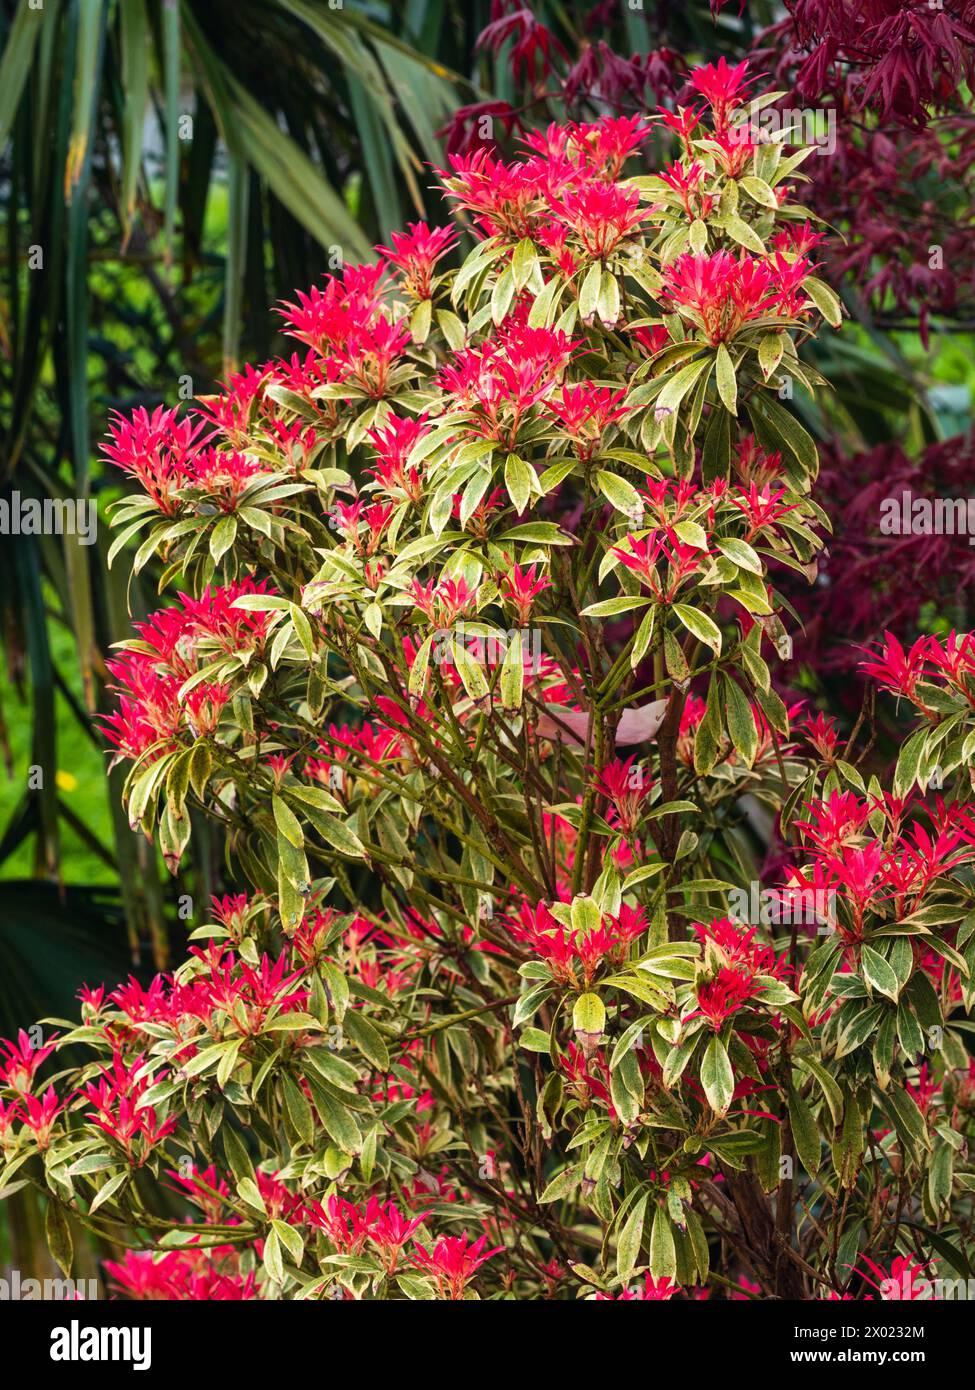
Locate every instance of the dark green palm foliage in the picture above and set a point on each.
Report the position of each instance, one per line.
(48, 936)
(167, 169)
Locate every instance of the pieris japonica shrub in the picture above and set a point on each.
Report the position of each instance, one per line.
(467, 658)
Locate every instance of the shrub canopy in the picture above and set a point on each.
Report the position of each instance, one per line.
(471, 661)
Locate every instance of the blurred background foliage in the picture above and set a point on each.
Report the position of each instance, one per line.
(168, 170)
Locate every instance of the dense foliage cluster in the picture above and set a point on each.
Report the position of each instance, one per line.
(479, 592)
(885, 84)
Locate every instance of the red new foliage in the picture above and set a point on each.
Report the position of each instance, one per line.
(890, 77)
(498, 1014)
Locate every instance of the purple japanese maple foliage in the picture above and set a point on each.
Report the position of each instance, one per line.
(901, 60)
(890, 80)
(875, 576)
